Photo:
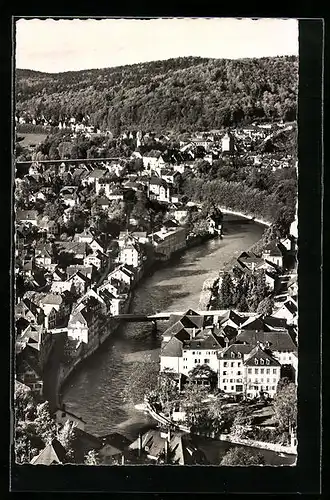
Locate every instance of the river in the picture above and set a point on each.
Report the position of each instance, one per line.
(106, 387)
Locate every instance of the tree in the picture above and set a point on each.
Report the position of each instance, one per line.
(203, 372)
(266, 306)
(226, 291)
(45, 424)
(66, 437)
(92, 458)
(242, 457)
(285, 406)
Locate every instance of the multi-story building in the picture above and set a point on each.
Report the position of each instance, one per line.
(247, 370)
(168, 241)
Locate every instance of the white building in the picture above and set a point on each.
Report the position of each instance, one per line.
(167, 241)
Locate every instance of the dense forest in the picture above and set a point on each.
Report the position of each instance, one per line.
(183, 94)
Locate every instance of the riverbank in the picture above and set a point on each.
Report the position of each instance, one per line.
(165, 421)
(117, 376)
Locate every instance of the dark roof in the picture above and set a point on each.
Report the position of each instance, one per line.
(278, 340)
(235, 349)
(173, 348)
(258, 353)
(205, 339)
(116, 440)
(181, 447)
(236, 318)
(272, 249)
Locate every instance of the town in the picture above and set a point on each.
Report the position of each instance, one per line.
(89, 229)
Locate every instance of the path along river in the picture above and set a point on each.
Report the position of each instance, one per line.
(105, 388)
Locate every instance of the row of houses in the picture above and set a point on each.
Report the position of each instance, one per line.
(249, 352)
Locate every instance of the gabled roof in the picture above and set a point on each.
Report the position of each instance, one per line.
(234, 349)
(272, 249)
(278, 340)
(173, 348)
(253, 323)
(258, 353)
(97, 173)
(231, 315)
(52, 454)
(205, 339)
(52, 298)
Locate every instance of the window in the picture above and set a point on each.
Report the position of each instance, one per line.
(206, 361)
(193, 352)
(268, 371)
(232, 364)
(262, 380)
(256, 361)
(232, 354)
(249, 380)
(249, 370)
(225, 363)
(224, 373)
(261, 371)
(274, 370)
(196, 361)
(224, 380)
(184, 367)
(231, 381)
(239, 364)
(184, 359)
(266, 387)
(239, 373)
(224, 387)
(261, 361)
(232, 387)
(268, 380)
(273, 388)
(274, 380)
(239, 355)
(267, 362)
(256, 371)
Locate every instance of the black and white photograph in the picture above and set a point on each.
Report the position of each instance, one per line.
(156, 241)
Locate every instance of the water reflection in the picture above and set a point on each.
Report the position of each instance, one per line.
(106, 387)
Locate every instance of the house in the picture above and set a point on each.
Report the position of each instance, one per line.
(29, 371)
(80, 282)
(36, 338)
(47, 226)
(130, 254)
(29, 311)
(288, 311)
(279, 342)
(113, 302)
(85, 237)
(113, 446)
(159, 189)
(168, 241)
(27, 217)
(263, 372)
(185, 351)
(152, 159)
(58, 287)
(271, 253)
(44, 254)
(293, 286)
(58, 275)
(239, 371)
(62, 415)
(53, 454)
(122, 273)
(87, 271)
(54, 301)
(96, 246)
(78, 250)
(227, 143)
(170, 447)
(231, 372)
(93, 177)
(84, 325)
(215, 224)
(179, 213)
(97, 259)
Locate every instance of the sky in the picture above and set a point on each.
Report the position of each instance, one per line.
(53, 46)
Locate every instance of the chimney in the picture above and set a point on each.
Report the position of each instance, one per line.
(193, 332)
(140, 444)
(123, 460)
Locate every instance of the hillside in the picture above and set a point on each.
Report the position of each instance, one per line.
(177, 94)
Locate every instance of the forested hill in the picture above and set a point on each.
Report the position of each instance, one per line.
(177, 94)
